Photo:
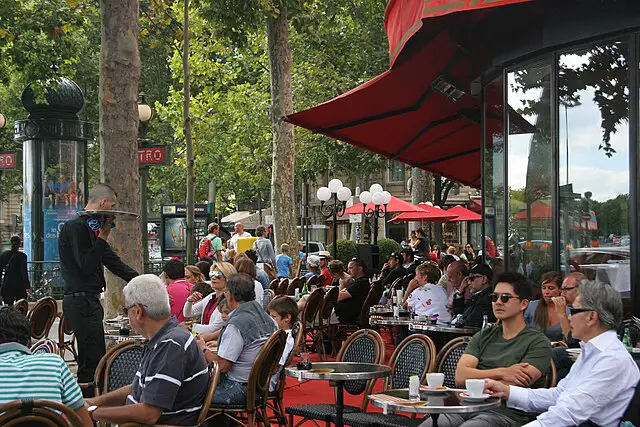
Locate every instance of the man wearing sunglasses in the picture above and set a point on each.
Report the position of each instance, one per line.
(510, 353)
(474, 310)
(601, 383)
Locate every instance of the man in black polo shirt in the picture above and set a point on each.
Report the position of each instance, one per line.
(351, 299)
(172, 379)
(84, 252)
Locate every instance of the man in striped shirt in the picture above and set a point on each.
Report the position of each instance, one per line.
(33, 376)
(172, 378)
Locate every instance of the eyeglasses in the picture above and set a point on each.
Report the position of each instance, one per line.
(504, 298)
(567, 289)
(124, 310)
(216, 274)
(574, 311)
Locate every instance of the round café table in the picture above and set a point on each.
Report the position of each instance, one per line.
(441, 327)
(434, 404)
(337, 373)
(386, 311)
(115, 336)
(387, 321)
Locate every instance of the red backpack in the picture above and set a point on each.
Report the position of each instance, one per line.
(206, 248)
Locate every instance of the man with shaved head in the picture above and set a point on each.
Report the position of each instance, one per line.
(84, 252)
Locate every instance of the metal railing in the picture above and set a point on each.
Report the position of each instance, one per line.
(45, 279)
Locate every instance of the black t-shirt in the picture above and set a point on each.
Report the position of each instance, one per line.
(422, 246)
(348, 311)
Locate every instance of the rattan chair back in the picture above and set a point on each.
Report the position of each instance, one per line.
(311, 308)
(121, 365)
(64, 344)
(415, 355)
(363, 346)
(282, 287)
(551, 379)
(273, 285)
(265, 366)
(373, 297)
(447, 360)
(214, 379)
(38, 412)
(328, 304)
(42, 316)
(44, 346)
(22, 305)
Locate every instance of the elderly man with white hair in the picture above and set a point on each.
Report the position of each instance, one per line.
(600, 384)
(172, 378)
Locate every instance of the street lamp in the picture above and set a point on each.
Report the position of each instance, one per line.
(340, 195)
(145, 114)
(380, 199)
(3, 121)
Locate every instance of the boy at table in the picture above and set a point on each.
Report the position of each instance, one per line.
(510, 352)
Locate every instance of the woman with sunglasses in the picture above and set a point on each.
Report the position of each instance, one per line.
(542, 314)
(207, 308)
(469, 252)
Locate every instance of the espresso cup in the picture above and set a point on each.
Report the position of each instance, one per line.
(435, 379)
(475, 387)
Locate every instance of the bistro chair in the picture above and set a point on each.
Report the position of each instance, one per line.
(38, 412)
(22, 305)
(324, 330)
(311, 282)
(447, 359)
(254, 411)
(276, 398)
(64, 330)
(415, 355)
(42, 316)
(551, 379)
(282, 287)
(308, 318)
(363, 346)
(273, 285)
(44, 346)
(291, 288)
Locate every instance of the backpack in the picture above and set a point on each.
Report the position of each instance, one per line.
(205, 249)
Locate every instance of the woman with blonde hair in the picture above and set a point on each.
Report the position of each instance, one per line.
(193, 275)
(207, 307)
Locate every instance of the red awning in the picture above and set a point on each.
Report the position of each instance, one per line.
(430, 213)
(403, 18)
(463, 214)
(420, 111)
(538, 211)
(394, 206)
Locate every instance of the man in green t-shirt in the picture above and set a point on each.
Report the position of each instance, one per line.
(510, 352)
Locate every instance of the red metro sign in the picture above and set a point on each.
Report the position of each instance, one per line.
(7, 161)
(153, 155)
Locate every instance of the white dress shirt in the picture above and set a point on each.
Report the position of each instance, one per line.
(598, 388)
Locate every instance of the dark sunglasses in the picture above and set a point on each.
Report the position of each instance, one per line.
(475, 276)
(574, 311)
(567, 289)
(216, 274)
(502, 297)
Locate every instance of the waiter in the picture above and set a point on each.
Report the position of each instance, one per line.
(84, 252)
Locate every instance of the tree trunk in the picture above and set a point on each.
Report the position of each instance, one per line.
(422, 191)
(118, 96)
(284, 151)
(191, 175)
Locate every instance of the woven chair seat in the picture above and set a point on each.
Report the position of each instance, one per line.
(319, 411)
(377, 419)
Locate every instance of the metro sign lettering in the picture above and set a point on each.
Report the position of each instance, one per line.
(154, 155)
(7, 161)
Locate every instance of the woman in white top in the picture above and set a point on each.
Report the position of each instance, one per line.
(424, 296)
(196, 306)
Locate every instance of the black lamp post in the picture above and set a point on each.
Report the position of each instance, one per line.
(380, 199)
(145, 114)
(340, 195)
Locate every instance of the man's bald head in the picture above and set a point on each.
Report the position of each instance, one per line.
(456, 272)
(569, 289)
(574, 278)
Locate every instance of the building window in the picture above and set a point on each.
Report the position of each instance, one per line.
(594, 162)
(396, 171)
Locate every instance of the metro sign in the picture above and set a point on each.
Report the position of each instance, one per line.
(153, 155)
(7, 161)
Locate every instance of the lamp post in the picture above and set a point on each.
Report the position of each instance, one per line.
(380, 199)
(145, 114)
(340, 195)
(3, 121)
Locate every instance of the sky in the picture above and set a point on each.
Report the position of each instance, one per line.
(589, 168)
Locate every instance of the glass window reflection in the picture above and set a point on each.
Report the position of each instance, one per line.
(594, 163)
(530, 171)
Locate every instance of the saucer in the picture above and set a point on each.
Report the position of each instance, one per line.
(428, 389)
(467, 396)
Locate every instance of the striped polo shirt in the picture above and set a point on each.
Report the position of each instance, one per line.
(36, 376)
(173, 375)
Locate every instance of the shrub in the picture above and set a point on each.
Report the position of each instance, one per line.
(347, 249)
(387, 247)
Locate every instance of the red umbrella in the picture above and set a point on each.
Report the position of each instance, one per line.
(430, 213)
(538, 211)
(394, 206)
(464, 214)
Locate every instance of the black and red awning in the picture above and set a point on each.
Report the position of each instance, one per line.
(419, 111)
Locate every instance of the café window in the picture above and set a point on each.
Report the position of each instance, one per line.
(396, 171)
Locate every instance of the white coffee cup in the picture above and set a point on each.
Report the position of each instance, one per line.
(475, 387)
(435, 379)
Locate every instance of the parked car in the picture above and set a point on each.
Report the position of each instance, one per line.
(314, 247)
(608, 264)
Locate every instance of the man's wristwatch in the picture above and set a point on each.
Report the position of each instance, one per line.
(90, 409)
